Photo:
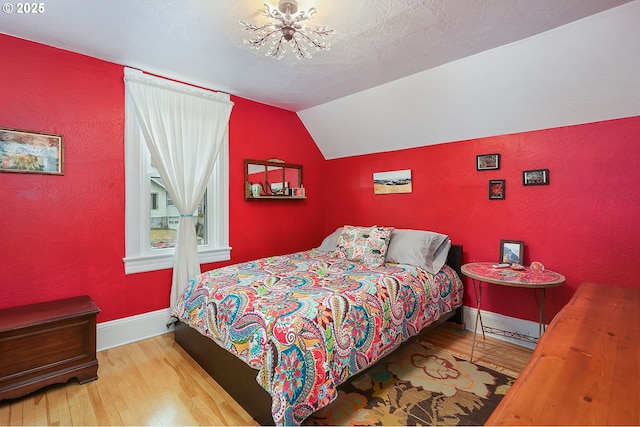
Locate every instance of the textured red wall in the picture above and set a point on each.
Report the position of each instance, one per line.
(64, 235)
(585, 224)
(269, 227)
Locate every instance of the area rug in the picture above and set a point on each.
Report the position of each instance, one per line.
(417, 385)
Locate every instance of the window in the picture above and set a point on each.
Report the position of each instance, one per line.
(164, 216)
(150, 216)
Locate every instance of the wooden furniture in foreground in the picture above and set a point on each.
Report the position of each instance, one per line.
(47, 343)
(239, 379)
(586, 368)
(486, 272)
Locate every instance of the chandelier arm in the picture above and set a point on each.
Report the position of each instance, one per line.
(321, 31)
(299, 49)
(260, 39)
(304, 16)
(254, 27)
(273, 13)
(312, 42)
(277, 49)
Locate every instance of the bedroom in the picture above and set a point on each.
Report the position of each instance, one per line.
(64, 235)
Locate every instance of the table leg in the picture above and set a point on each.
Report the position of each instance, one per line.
(477, 289)
(541, 325)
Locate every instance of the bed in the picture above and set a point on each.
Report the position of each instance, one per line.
(281, 333)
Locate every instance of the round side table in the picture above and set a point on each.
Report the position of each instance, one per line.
(486, 272)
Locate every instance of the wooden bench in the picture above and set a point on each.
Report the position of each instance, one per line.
(586, 368)
(47, 343)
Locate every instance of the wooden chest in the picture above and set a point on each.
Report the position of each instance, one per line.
(47, 343)
(586, 368)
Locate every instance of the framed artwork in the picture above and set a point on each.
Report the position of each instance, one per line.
(31, 152)
(535, 177)
(487, 162)
(392, 182)
(496, 189)
(511, 252)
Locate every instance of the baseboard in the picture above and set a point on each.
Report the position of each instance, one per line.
(135, 328)
(499, 321)
(130, 329)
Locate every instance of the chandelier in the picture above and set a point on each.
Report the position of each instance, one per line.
(288, 28)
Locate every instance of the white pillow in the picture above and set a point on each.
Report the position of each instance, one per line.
(330, 242)
(424, 249)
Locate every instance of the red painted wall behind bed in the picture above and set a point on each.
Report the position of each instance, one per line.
(585, 224)
(64, 235)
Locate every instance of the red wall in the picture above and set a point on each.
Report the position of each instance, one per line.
(64, 235)
(585, 224)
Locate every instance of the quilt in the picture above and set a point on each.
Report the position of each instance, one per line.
(308, 321)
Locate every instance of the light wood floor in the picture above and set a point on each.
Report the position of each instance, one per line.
(154, 382)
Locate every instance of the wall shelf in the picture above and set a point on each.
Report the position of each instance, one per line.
(272, 180)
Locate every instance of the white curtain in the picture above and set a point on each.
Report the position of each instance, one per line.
(184, 128)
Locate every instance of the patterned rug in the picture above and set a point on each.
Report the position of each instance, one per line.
(417, 385)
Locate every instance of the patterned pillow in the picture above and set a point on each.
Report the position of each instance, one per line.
(367, 245)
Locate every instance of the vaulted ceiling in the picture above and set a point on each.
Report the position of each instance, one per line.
(376, 42)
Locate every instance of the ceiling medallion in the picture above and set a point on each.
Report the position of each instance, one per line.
(288, 28)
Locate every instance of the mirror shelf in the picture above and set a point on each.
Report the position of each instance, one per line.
(272, 180)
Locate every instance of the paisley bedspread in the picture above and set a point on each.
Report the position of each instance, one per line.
(308, 321)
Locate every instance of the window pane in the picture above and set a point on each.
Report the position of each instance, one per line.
(165, 217)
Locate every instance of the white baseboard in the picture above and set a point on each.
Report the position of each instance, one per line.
(506, 323)
(135, 328)
(130, 329)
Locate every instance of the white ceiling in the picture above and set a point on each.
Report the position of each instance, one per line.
(376, 41)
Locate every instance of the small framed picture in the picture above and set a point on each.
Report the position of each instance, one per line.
(486, 162)
(496, 189)
(535, 177)
(31, 152)
(511, 252)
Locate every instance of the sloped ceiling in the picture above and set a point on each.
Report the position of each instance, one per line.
(583, 72)
(377, 43)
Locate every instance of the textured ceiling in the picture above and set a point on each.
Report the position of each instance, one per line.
(376, 41)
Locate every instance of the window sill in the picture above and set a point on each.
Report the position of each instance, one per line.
(144, 263)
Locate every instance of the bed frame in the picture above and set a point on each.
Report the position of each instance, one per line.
(239, 379)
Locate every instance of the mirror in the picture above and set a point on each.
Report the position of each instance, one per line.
(272, 179)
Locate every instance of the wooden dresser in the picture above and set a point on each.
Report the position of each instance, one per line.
(586, 367)
(47, 343)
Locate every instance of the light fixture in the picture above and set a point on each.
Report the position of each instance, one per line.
(289, 28)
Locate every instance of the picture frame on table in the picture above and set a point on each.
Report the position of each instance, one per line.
(31, 152)
(497, 189)
(486, 162)
(511, 252)
(535, 177)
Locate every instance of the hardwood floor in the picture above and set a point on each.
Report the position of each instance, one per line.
(154, 382)
(498, 354)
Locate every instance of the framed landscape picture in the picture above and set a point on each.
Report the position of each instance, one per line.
(487, 162)
(535, 177)
(31, 152)
(392, 182)
(511, 251)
